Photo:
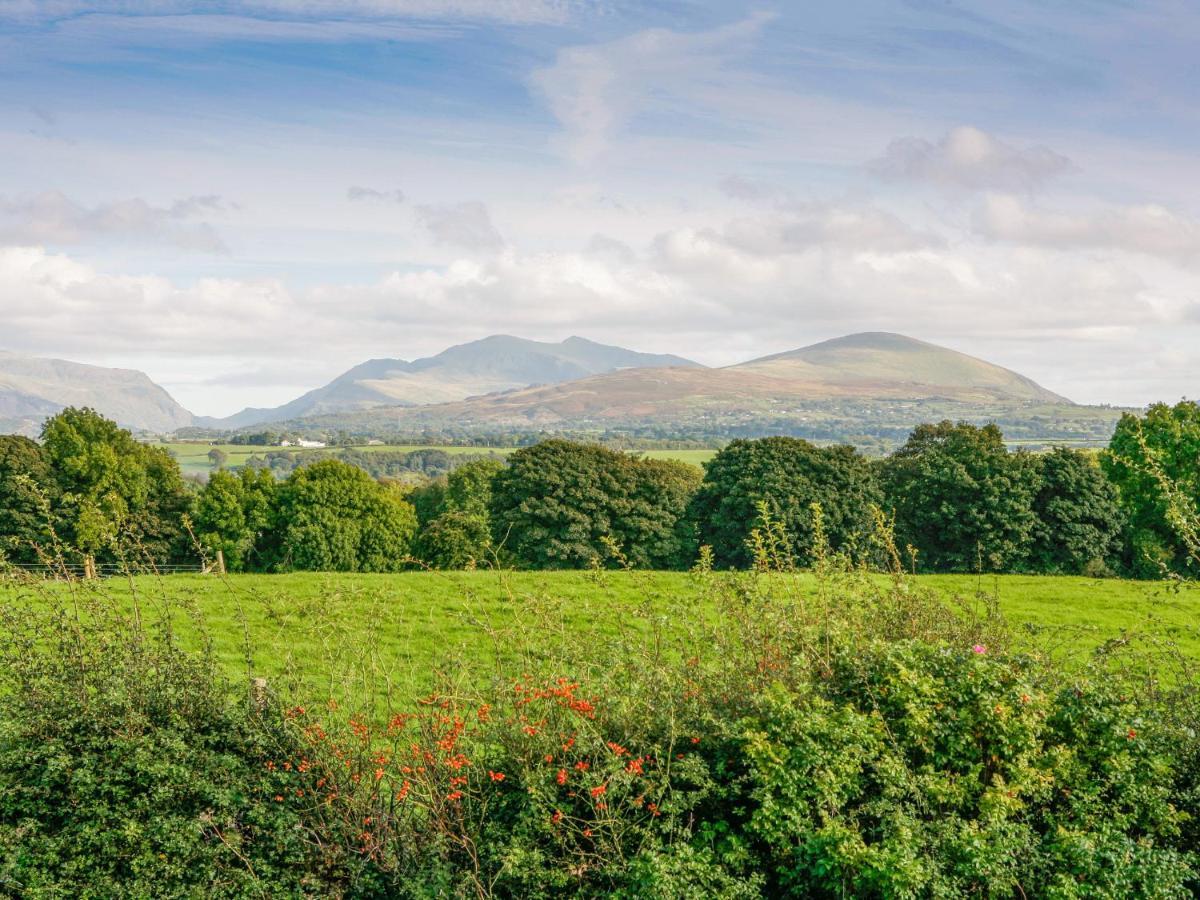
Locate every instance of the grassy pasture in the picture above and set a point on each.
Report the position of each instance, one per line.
(343, 635)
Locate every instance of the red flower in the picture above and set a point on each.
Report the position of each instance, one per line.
(582, 766)
(496, 776)
(599, 789)
(549, 758)
(557, 817)
(695, 740)
(454, 795)
(561, 777)
(634, 766)
(1131, 734)
(617, 748)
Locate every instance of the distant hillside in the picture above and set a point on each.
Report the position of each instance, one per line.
(31, 389)
(497, 363)
(880, 363)
(867, 388)
(862, 367)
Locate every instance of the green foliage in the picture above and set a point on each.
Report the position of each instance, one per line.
(127, 771)
(789, 475)
(1079, 520)
(233, 513)
(469, 487)
(961, 500)
(456, 539)
(27, 492)
(333, 517)
(120, 498)
(1154, 460)
(913, 771)
(560, 504)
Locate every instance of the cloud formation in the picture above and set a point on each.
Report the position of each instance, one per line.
(528, 11)
(594, 90)
(467, 226)
(52, 217)
(1149, 229)
(969, 158)
(357, 192)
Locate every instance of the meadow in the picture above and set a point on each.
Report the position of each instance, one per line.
(393, 635)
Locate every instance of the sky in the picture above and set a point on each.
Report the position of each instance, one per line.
(244, 198)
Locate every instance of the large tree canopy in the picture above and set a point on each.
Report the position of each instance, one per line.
(233, 514)
(789, 475)
(334, 517)
(961, 499)
(1079, 520)
(1154, 460)
(120, 498)
(28, 493)
(558, 504)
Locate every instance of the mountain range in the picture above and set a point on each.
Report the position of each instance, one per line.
(497, 363)
(31, 389)
(857, 384)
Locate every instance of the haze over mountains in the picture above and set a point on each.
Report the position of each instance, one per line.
(497, 363)
(31, 389)
(509, 383)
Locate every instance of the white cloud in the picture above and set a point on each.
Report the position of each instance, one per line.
(52, 217)
(494, 10)
(357, 192)
(594, 90)
(465, 225)
(967, 157)
(1150, 229)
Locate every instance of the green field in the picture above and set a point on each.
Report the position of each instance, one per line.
(343, 634)
(193, 455)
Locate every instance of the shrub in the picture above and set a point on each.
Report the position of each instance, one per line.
(126, 770)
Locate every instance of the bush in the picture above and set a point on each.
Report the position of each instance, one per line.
(126, 770)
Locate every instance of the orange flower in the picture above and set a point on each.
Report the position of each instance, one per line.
(454, 795)
(695, 740)
(561, 777)
(617, 748)
(557, 817)
(599, 789)
(587, 832)
(582, 766)
(496, 776)
(634, 767)
(1131, 734)
(483, 713)
(549, 757)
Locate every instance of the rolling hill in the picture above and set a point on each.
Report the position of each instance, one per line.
(493, 364)
(32, 388)
(872, 367)
(868, 389)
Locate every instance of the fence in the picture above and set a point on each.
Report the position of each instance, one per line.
(89, 568)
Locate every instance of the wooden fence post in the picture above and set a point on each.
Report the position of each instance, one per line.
(220, 567)
(89, 566)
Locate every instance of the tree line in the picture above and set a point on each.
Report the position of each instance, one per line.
(953, 496)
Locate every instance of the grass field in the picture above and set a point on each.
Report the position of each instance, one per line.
(193, 455)
(339, 633)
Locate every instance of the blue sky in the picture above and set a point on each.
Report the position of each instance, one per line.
(245, 198)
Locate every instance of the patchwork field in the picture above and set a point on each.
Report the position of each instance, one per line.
(193, 455)
(346, 634)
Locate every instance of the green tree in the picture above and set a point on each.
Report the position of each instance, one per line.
(961, 499)
(1079, 519)
(27, 493)
(460, 534)
(658, 531)
(218, 457)
(120, 498)
(789, 475)
(558, 503)
(333, 517)
(469, 486)
(1154, 460)
(233, 513)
